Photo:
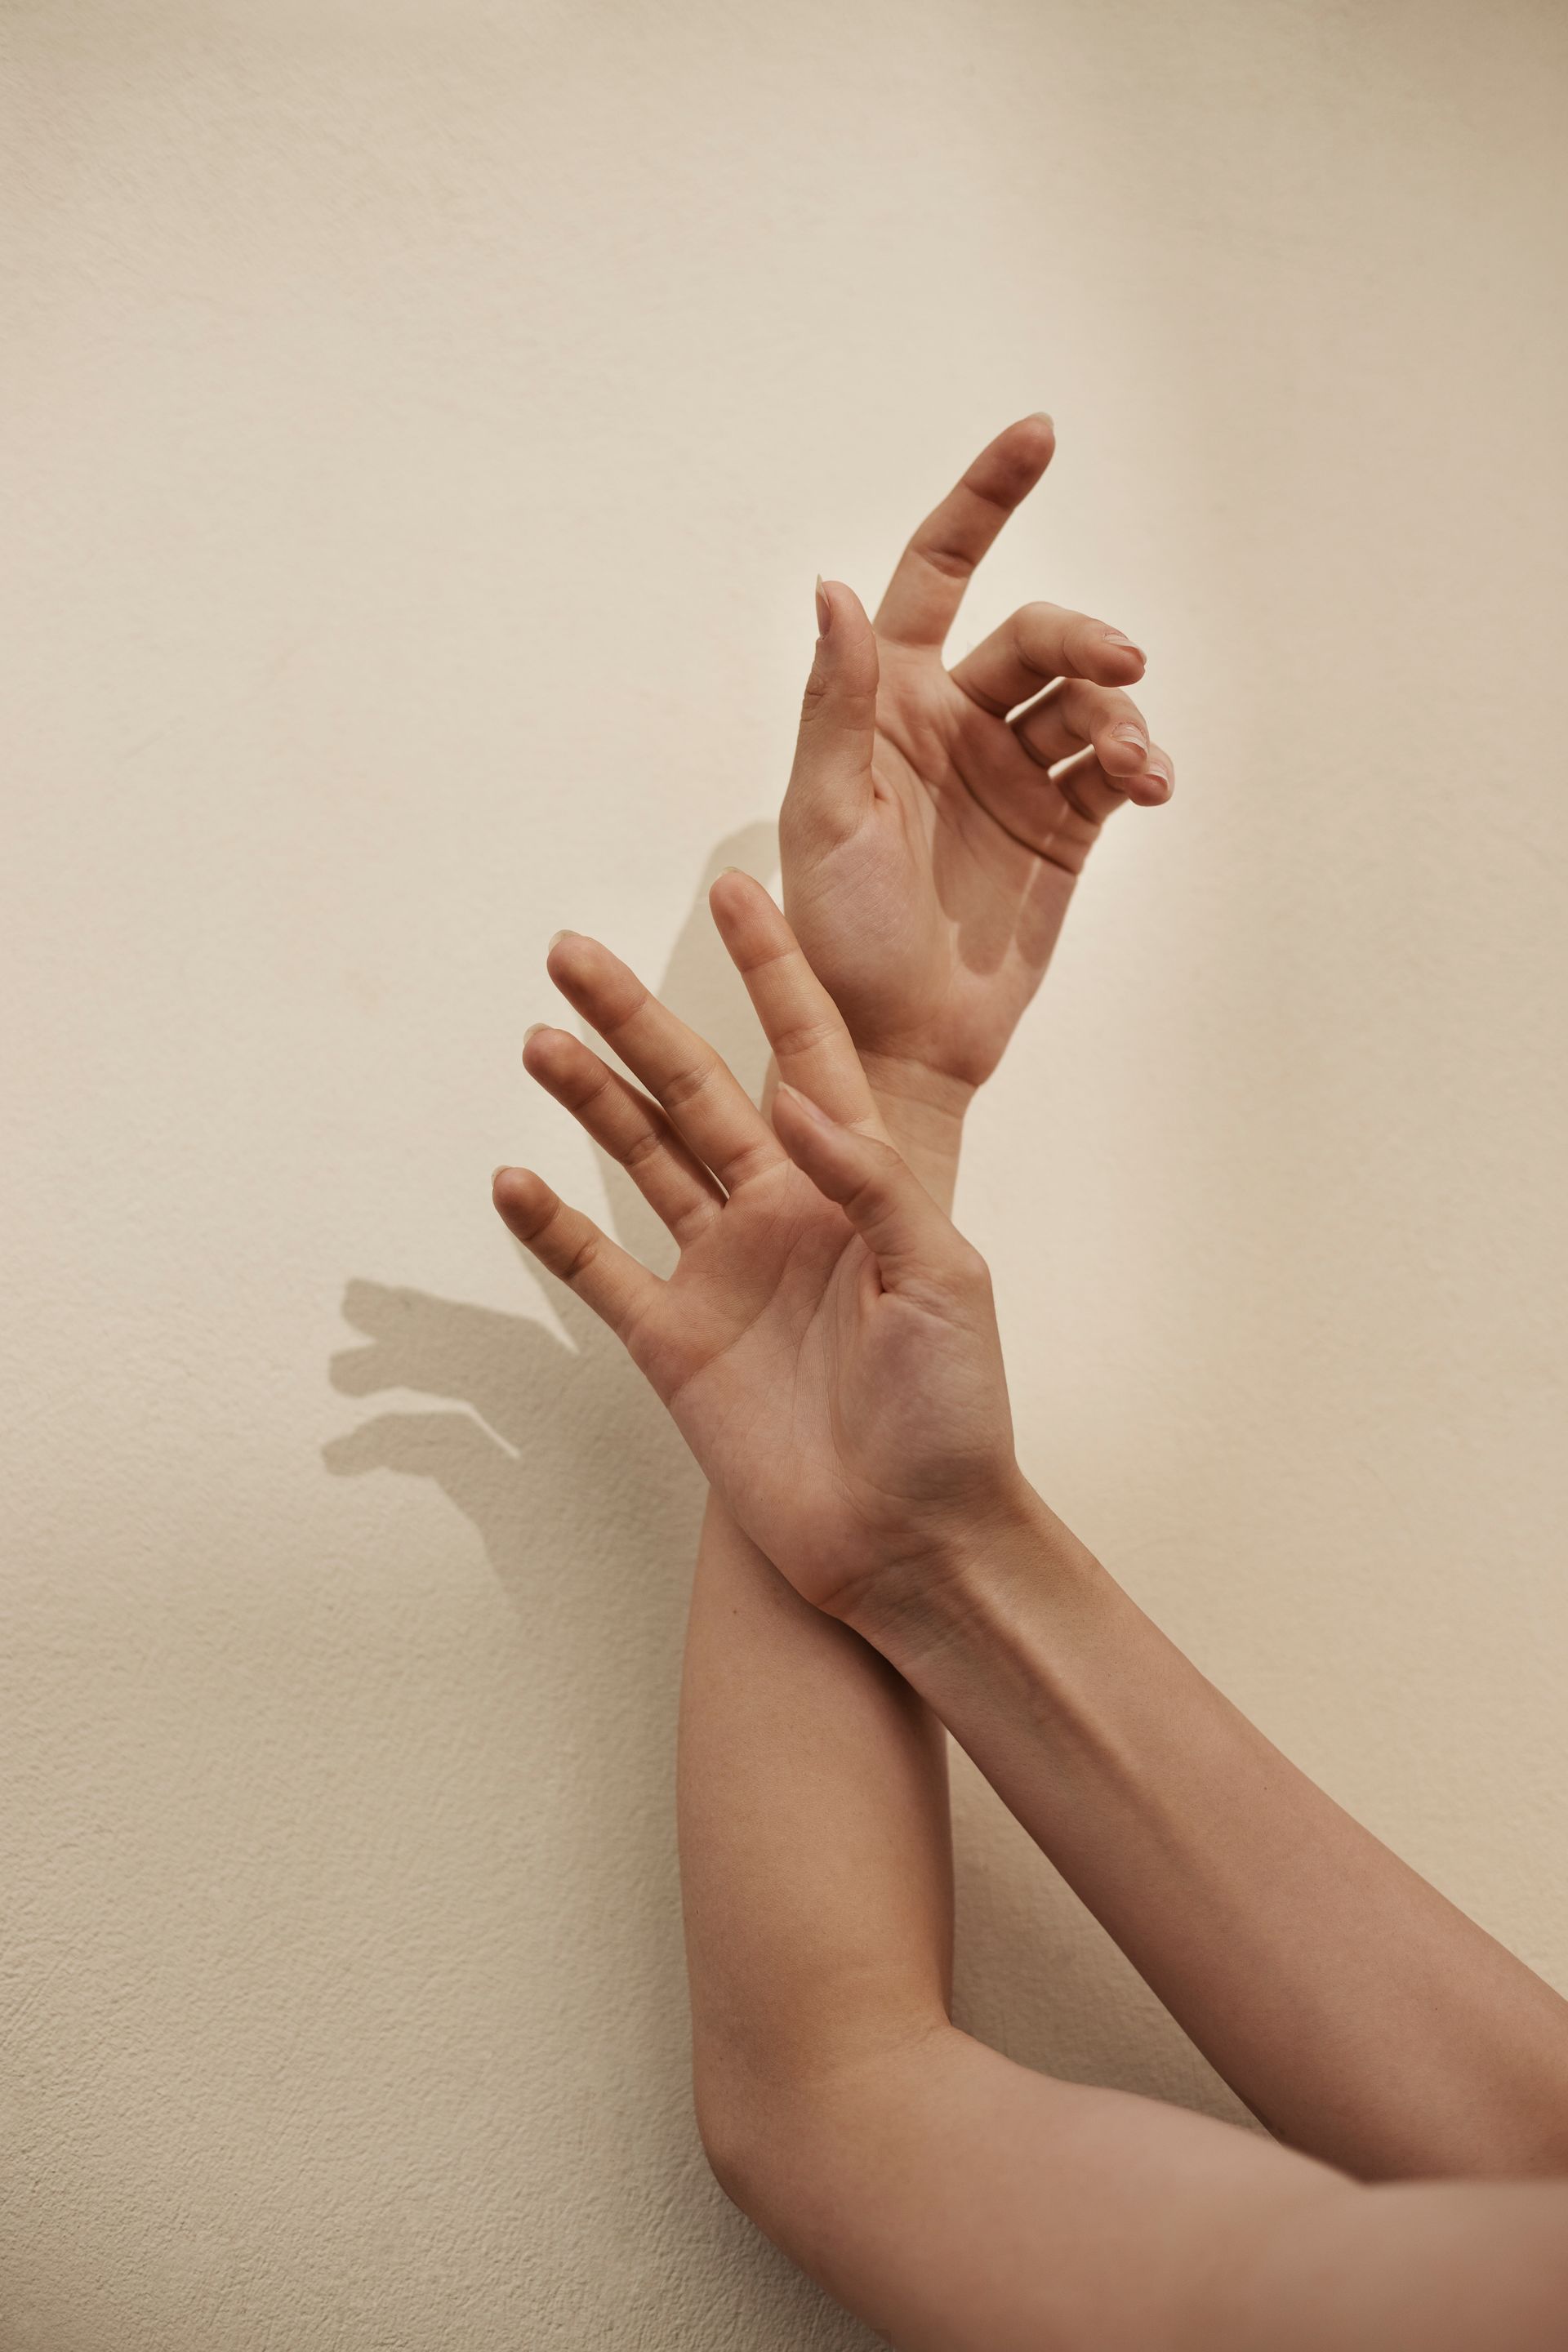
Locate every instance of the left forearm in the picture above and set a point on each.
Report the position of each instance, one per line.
(816, 1861)
(815, 1871)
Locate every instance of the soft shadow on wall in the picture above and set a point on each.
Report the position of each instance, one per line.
(521, 1451)
(526, 1456)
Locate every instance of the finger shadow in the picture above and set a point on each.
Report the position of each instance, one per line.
(552, 1445)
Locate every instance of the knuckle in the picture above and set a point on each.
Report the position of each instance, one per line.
(952, 562)
(795, 1039)
(579, 1258)
(642, 1148)
(688, 1081)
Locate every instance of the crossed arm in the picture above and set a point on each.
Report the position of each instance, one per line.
(950, 2197)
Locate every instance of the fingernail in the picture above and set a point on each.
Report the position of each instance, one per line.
(556, 937)
(824, 609)
(1128, 733)
(530, 1033)
(1161, 776)
(729, 869)
(498, 1173)
(1120, 637)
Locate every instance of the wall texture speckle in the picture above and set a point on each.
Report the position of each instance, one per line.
(422, 425)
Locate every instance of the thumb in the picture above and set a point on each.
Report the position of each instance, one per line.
(884, 1200)
(830, 782)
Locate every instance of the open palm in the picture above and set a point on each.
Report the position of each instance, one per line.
(833, 1363)
(937, 819)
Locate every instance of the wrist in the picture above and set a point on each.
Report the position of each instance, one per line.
(978, 1582)
(923, 1111)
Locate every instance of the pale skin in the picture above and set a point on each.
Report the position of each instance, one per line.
(872, 1554)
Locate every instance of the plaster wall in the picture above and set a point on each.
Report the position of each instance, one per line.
(422, 425)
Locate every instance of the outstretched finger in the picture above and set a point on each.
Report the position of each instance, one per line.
(707, 1106)
(623, 1123)
(805, 1027)
(569, 1245)
(927, 588)
(912, 1242)
(1039, 645)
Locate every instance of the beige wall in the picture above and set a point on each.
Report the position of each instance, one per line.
(423, 423)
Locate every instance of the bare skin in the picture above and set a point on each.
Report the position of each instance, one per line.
(950, 2197)
(841, 1280)
(932, 841)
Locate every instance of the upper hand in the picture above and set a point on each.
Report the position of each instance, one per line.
(826, 1341)
(932, 831)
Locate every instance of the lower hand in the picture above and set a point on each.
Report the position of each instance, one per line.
(826, 1343)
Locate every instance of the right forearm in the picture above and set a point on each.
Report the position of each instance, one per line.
(1357, 2012)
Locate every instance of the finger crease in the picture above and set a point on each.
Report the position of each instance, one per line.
(687, 1083)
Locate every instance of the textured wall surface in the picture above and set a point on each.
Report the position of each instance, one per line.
(422, 423)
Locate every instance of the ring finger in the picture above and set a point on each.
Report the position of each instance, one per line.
(707, 1105)
(623, 1122)
(1076, 717)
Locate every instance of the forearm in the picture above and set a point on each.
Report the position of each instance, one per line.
(953, 2200)
(1358, 2014)
(816, 1857)
(816, 1867)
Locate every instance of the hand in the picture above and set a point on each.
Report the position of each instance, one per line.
(827, 1342)
(933, 832)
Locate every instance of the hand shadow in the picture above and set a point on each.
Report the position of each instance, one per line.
(525, 1458)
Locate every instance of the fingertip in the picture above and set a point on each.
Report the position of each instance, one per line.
(1154, 787)
(1119, 665)
(731, 892)
(841, 598)
(1123, 751)
(1032, 441)
(571, 957)
(515, 1192)
(541, 1044)
(1122, 653)
(800, 1106)
(814, 1141)
(846, 651)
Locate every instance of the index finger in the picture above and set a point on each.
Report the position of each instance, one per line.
(805, 1027)
(927, 588)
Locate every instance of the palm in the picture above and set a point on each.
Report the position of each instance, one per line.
(932, 924)
(829, 1392)
(824, 1410)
